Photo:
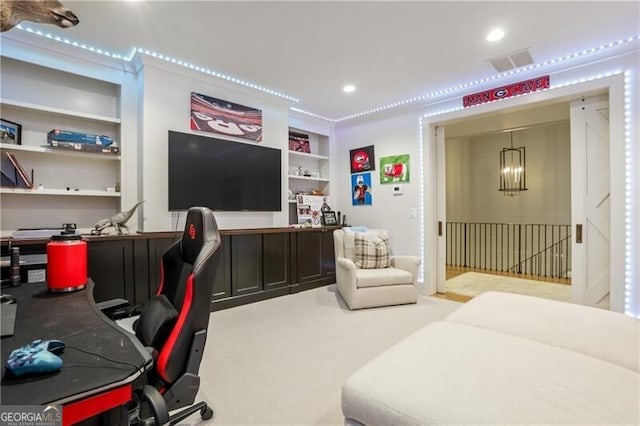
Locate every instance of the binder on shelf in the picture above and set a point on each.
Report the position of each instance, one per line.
(14, 173)
(9, 175)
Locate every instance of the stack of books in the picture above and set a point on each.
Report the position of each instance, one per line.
(13, 174)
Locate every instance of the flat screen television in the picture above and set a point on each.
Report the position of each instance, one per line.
(223, 175)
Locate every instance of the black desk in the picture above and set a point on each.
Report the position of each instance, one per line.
(87, 384)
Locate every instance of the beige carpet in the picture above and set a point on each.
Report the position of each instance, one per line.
(474, 283)
(283, 361)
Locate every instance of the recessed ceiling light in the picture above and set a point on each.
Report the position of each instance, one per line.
(349, 88)
(495, 35)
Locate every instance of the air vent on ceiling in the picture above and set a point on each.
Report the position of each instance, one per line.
(508, 62)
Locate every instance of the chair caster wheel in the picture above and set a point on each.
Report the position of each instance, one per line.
(206, 413)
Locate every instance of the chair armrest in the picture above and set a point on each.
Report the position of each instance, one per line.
(112, 304)
(115, 308)
(345, 263)
(346, 279)
(407, 263)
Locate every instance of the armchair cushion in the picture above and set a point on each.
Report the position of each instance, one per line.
(371, 251)
(383, 277)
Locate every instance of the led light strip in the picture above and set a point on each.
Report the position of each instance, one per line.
(628, 205)
(414, 99)
(421, 203)
(629, 213)
(493, 78)
(135, 50)
(311, 114)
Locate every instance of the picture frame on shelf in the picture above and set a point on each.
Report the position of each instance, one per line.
(299, 142)
(10, 132)
(329, 218)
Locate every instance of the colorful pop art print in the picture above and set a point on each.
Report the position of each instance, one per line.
(362, 159)
(394, 169)
(361, 189)
(217, 116)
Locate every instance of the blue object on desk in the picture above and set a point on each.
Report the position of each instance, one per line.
(38, 357)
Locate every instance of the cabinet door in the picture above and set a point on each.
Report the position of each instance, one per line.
(309, 256)
(328, 255)
(275, 252)
(246, 264)
(222, 278)
(110, 265)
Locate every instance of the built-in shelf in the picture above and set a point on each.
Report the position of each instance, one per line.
(305, 155)
(316, 179)
(56, 151)
(58, 111)
(57, 192)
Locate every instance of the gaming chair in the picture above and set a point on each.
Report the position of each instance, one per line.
(174, 322)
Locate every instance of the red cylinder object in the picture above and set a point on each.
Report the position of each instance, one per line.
(66, 263)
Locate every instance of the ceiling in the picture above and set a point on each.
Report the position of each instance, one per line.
(391, 51)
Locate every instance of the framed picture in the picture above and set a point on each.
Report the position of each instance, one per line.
(299, 142)
(362, 159)
(361, 189)
(394, 169)
(209, 114)
(10, 132)
(329, 218)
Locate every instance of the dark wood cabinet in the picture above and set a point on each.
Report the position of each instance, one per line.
(275, 260)
(222, 279)
(315, 259)
(111, 266)
(246, 264)
(252, 264)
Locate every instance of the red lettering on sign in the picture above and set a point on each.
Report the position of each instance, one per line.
(503, 92)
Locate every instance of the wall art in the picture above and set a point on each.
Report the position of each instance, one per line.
(394, 169)
(362, 159)
(361, 185)
(227, 118)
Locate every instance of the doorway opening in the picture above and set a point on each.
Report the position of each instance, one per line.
(435, 131)
(515, 241)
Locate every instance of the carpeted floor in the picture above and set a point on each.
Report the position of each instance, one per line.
(474, 283)
(283, 361)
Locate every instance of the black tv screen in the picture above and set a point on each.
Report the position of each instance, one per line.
(223, 175)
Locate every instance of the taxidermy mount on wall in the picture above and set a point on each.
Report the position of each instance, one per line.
(118, 221)
(12, 12)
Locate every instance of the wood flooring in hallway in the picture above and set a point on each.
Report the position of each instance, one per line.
(454, 271)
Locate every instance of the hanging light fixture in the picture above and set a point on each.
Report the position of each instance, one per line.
(512, 170)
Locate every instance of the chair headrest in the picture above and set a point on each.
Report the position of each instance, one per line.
(200, 227)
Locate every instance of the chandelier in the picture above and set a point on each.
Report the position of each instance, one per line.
(512, 170)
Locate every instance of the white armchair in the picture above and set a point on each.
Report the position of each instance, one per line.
(372, 287)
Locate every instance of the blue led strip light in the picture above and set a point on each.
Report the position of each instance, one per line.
(493, 78)
(414, 99)
(629, 214)
(135, 50)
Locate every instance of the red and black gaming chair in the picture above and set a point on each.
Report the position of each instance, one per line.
(174, 322)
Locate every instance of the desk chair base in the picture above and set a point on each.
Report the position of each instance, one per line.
(154, 411)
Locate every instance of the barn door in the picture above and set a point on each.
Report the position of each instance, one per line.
(590, 200)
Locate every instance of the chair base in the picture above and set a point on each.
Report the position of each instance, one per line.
(206, 413)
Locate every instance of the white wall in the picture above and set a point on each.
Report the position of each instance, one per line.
(392, 136)
(165, 106)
